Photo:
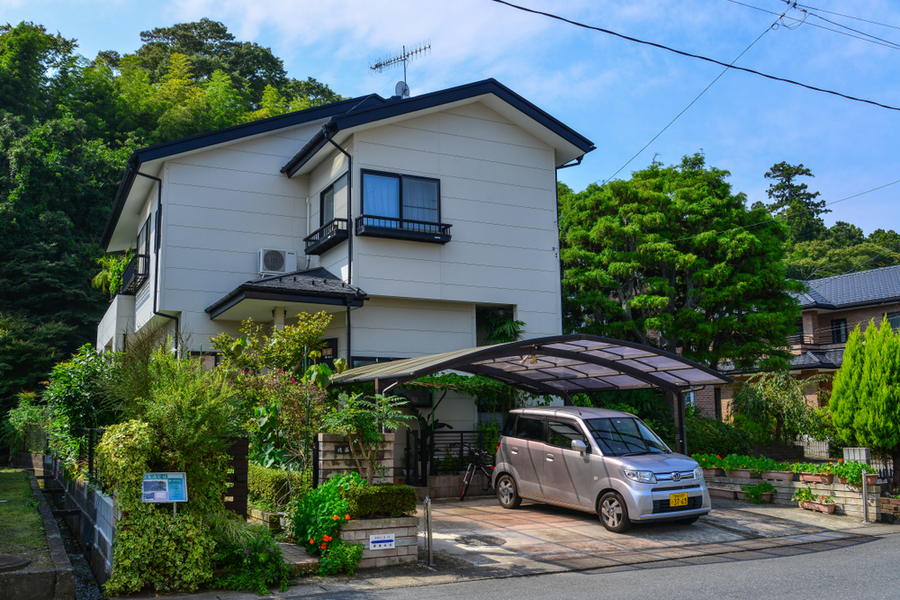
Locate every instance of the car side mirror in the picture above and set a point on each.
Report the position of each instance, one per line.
(579, 446)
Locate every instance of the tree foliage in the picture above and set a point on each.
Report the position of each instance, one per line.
(673, 258)
(779, 402)
(794, 203)
(865, 397)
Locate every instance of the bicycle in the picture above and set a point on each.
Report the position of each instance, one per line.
(479, 460)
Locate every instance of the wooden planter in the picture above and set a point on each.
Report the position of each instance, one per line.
(778, 475)
(716, 472)
(818, 507)
(741, 473)
(717, 492)
(826, 478)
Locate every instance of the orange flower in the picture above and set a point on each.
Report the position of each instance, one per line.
(347, 516)
(840, 460)
(327, 538)
(312, 541)
(336, 518)
(324, 546)
(719, 457)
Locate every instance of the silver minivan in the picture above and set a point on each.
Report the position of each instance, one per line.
(597, 460)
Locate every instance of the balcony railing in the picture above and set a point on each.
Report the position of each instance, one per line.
(327, 236)
(402, 229)
(135, 274)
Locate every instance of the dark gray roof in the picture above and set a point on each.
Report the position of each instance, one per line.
(844, 291)
(315, 286)
(818, 359)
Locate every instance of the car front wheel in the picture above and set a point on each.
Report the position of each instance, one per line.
(613, 512)
(507, 494)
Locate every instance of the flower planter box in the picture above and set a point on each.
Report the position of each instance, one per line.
(871, 479)
(740, 494)
(405, 532)
(741, 473)
(818, 507)
(778, 475)
(716, 472)
(826, 478)
(717, 492)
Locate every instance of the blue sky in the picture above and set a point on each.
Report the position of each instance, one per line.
(617, 93)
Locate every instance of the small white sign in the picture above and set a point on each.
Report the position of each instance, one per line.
(381, 541)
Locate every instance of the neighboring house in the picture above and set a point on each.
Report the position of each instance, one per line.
(832, 308)
(398, 216)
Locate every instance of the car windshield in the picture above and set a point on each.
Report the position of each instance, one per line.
(625, 436)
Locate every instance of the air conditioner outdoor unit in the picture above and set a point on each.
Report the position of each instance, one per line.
(273, 261)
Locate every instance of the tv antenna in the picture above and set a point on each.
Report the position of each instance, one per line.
(404, 57)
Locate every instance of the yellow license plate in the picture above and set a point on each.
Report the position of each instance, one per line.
(678, 499)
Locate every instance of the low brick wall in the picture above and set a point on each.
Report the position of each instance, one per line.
(261, 517)
(450, 486)
(890, 510)
(847, 498)
(406, 540)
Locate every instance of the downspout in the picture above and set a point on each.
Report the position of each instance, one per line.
(308, 256)
(156, 262)
(349, 229)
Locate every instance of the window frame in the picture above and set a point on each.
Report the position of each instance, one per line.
(839, 334)
(568, 423)
(330, 188)
(400, 177)
(893, 319)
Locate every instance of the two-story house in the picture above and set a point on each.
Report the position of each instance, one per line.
(398, 216)
(831, 309)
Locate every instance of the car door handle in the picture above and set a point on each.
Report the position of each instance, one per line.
(514, 450)
(549, 458)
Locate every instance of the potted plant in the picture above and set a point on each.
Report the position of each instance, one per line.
(850, 473)
(727, 492)
(773, 470)
(814, 473)
(739, 466)
(761, 493)
(815, 502)
(710, 463)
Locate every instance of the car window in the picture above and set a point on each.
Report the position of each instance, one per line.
(623, 436)
(561, 433)
(530, 429)
(509, 427)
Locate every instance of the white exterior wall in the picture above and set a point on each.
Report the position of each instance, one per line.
(498, 191)
(220, 207)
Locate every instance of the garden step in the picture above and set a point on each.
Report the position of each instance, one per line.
(297, 559)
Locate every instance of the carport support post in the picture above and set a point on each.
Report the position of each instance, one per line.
(680, 430)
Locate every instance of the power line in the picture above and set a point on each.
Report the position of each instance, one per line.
(868, 37)
(864, 193)
(725, 70)
(843, 15)
(697, 56)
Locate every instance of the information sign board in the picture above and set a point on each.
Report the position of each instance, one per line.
(165, 487)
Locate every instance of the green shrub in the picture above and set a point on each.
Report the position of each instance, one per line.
(381, 501)
(273, 487)
(246, 556)
(340, 557)
(711, 436)
(754, 493)
(315, 520)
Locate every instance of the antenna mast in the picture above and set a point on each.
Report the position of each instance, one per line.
(404, 57)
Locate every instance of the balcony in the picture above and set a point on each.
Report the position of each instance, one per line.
(326, 237)
(402, 229)
(135, 274)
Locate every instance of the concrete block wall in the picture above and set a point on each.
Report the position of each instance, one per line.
(450, 486)
(406, 540)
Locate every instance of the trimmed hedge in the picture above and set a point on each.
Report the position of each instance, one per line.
(711, 436)
(381, 501)
(270, 486)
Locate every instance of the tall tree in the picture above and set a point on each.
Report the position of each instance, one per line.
(865, 398)
(28, 56)
(793, 202)
(672, 258)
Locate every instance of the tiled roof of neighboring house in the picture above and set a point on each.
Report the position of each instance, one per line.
(845, 291)
(317, 286)
(818, 359)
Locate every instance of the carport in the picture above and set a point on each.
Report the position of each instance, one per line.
(561, 366)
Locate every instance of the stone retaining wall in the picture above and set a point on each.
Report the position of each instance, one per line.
(890, 510)
(406, 540)
(847, 498)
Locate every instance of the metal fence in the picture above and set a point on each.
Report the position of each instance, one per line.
(87, 450)
(442, 452)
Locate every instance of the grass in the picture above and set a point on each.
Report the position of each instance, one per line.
(21, 528)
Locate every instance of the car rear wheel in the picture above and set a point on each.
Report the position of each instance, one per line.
(613, 512)
(507, 494)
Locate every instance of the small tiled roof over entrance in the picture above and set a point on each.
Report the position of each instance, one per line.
(559, 365)
(854, 289)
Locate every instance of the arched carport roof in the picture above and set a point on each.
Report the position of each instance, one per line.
(559, 365)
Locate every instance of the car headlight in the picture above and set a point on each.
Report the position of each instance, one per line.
(640, 476)
(698, 473)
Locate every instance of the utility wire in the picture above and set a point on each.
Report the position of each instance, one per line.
(866, 192)
(843, 15)
(719, 76)
(867, 37)
(697, 56)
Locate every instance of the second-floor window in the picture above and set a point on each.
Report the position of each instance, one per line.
(894, 319)
(336, 191)
(401, 197)
(839, 331)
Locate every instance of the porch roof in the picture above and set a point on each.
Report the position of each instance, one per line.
(557, 365)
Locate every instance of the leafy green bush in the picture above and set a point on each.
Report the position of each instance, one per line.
(246, 556)
(381, 501)
(273, 487)
(340, 557)
(711, 436)
(754, 493)
(28, 412)
(851, 471)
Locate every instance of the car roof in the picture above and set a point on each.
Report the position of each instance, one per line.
(583, 412)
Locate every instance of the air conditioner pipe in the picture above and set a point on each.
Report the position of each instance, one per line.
(349, 228)
(156, 262)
